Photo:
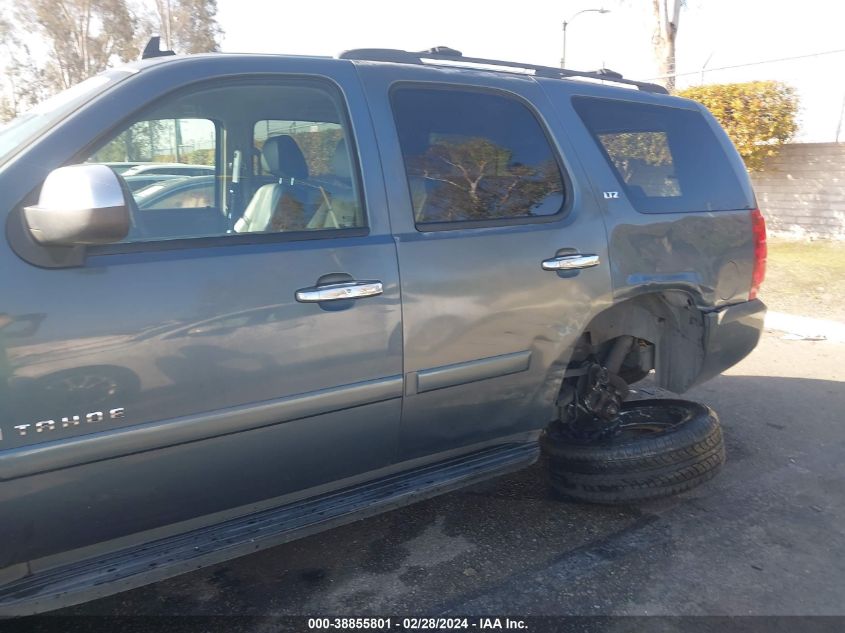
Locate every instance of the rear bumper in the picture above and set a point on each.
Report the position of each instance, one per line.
(730, 334)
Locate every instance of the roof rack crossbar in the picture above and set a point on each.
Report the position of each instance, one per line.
(442, 53)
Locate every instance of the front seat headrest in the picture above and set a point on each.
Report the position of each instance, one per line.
(283, 157)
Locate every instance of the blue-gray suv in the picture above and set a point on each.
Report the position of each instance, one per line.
(394, 274)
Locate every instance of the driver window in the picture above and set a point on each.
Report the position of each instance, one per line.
(237, 159)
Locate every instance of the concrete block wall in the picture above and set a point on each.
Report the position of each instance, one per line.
(801, 191)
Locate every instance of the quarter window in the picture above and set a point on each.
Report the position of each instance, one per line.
(474, 156)
(666, 159)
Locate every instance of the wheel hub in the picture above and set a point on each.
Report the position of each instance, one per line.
(593, 410)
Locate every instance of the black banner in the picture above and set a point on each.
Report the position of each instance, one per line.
(533, 624)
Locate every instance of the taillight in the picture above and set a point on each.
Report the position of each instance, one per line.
(758, 226)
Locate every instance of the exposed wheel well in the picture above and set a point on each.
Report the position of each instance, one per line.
(669, 337)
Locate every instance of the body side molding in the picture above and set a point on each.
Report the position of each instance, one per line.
(470, 371)
(29, 460)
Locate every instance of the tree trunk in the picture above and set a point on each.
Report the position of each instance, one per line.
(666, 15)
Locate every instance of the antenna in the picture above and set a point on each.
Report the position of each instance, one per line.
(153, 49)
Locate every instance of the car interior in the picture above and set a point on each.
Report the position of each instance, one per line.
(279, 152)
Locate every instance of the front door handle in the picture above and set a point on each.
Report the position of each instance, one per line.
(571, 262)
(336, 292)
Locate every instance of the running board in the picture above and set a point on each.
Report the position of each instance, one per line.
(151, 562)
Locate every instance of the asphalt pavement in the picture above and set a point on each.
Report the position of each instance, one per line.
(765, 537)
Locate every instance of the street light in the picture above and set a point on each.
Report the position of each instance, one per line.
(565, 24)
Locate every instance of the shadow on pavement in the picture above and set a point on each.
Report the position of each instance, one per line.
(760, 538)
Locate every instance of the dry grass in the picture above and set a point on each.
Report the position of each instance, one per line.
(806, 278)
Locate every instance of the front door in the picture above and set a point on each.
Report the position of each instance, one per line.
(486, 207)
(242, 344)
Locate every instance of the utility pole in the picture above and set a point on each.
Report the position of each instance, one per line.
(164, 14)
(704, 67)
(178, 134)
(169, 27)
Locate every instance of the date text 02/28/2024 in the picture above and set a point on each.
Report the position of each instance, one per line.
(416, 624)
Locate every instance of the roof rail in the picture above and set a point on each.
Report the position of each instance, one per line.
(444, 53)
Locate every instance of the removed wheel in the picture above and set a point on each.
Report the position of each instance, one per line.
(660, 448)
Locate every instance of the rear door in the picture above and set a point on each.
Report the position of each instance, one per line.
(486, 206)
(195, 369)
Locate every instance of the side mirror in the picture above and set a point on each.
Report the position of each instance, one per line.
(80, 204)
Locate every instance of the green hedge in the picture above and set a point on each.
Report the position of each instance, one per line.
(759, 116)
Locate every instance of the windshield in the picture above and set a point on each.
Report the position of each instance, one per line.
(31, 124)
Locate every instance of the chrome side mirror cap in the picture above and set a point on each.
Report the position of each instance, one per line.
(80, 205)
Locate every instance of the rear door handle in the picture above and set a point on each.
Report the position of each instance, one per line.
(336, 292)
(571, 262)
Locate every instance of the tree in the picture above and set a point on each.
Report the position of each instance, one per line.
(667, 13)
(139, 142)
(473, 178)
(759, 116)
(85, 36)
(21, 84)
(188, 26)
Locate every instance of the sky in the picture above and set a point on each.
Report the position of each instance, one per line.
(727, 32)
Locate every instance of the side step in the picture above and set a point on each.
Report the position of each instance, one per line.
(151, 562)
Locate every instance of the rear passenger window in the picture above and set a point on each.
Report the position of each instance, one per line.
(474, 156)
(667, 159)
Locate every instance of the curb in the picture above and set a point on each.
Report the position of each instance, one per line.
(807, 328)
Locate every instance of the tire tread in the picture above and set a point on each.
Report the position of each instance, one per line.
(647, 468)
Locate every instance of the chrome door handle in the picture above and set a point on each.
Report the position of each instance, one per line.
(571, 262)
(336, 292)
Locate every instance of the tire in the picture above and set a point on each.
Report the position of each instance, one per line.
(664, 447)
